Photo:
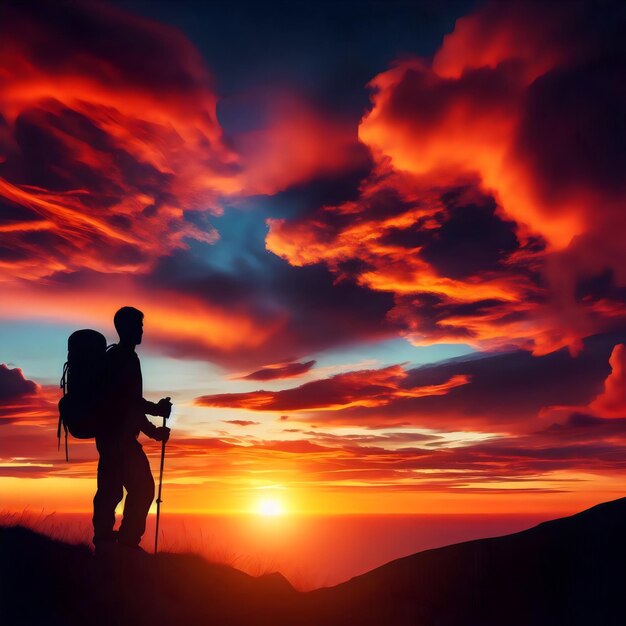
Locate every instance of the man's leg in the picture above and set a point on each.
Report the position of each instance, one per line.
(140, 494)
(109, 492)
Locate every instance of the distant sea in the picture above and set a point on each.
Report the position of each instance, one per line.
(311, 551)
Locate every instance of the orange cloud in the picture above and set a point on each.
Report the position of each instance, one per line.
(396, 232)
(317, 463)
(363, 388)
(179, 322)
(98, 161)
(503, 118)
(464, 112)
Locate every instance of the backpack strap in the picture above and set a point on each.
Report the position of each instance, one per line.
(62, 425)
(63, 385)
(63, 381)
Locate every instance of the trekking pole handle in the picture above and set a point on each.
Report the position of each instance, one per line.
(169, 411)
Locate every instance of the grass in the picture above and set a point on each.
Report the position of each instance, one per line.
(76, 529)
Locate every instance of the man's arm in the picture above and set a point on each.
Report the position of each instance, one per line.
(151, 408)
(159, 433)
(161, 408)
(147, 427)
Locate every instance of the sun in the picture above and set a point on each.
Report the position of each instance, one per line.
(270, 507)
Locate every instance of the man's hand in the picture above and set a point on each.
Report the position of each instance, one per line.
(164, 407)
(162, 433)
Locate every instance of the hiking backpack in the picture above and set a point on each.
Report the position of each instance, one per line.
(82, 382)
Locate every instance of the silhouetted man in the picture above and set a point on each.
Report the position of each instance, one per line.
(123, 463)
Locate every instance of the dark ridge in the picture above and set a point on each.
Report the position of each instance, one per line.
(51, 583)
(568, 572)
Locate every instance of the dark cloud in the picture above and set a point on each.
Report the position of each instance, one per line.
(287, 370)
(482, 392)
(517, 385)
(580, 146)
(13, 384)
(472, 240)
(582, 427)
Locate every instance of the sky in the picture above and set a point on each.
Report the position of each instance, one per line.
(378, 246)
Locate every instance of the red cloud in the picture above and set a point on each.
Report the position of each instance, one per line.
(520, 108)
(402, 461)
(103, 148)
(178, 322)
(492, 36)
(612, 401)
(363, 388)
(389, 461)
(112, 159)
(295, 144)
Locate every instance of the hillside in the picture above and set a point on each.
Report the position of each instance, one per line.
(568, 572)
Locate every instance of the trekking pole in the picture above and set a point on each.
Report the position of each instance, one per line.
(158, 500)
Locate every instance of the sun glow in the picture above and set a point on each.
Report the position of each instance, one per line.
(270, 507)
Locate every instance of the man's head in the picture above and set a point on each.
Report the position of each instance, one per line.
(129, 325)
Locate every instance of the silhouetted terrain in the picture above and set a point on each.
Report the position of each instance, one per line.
(566, 572)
